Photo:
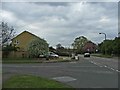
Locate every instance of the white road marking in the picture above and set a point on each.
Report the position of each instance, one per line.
(112, 69)
(117, 70)
(96, 64)
(105, 66)
(101, 66)
(91, 61)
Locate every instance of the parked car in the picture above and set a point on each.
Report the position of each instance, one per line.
(53, 55)
(41, 56)
(86, 54)
(49, 55)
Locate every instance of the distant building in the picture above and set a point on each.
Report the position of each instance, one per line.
(90, 47)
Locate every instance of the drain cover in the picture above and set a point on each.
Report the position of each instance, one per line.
(64, 79)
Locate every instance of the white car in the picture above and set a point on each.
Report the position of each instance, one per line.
(53, 55)
(41, 56)
(86, 54)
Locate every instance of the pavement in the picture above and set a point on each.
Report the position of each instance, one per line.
(90, 72)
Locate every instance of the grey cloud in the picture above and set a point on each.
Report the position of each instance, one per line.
(62, 22)
(52, 3)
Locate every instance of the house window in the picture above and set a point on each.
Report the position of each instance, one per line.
(16, 42)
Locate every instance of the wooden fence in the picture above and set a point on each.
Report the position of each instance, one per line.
(14, 54)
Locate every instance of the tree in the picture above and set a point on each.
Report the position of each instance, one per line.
(51, 49)
(106, 47)
(79, 43)
(6, 50)
(116, 46)
(6, 33)
(59, 46)
(37, 47)
(118, 34)
(110, 46)
(62, 51)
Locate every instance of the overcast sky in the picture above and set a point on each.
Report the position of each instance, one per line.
(62, 22)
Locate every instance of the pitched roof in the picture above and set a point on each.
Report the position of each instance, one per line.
(91, 42)
(26, 32)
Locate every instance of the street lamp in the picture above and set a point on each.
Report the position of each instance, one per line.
(105, 39)
(104, 34)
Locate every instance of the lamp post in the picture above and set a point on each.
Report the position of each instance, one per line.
(104, 34)
(105, 39)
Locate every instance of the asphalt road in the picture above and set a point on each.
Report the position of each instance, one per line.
(86, 73)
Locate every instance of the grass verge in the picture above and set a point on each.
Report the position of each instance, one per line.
(101, 55)
(29, 81)
(27, 60)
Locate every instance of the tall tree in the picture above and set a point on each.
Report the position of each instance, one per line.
(118, 34)
(116, 46)
(59, 46)
(6, 33)
(110, 46)
(79, 43)
(37, 47)
(51, 49)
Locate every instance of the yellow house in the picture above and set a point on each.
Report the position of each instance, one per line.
(23, 39)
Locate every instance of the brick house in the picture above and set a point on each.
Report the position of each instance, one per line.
(90, 47)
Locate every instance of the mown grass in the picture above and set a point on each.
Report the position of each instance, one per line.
(20, 60)
(29, 81)
(32, 60)
(101, 55)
